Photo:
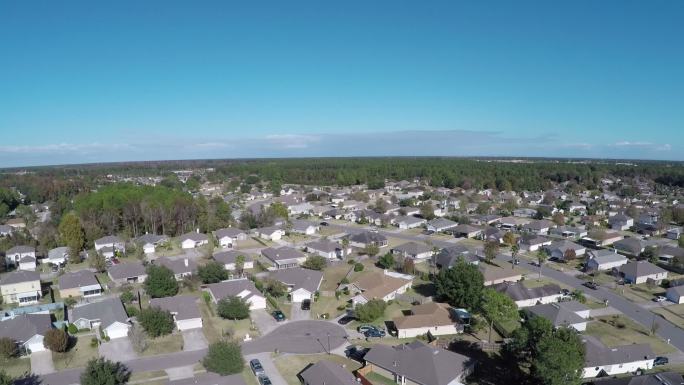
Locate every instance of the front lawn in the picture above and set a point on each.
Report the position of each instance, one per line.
(619, 330)
(326, 304)
(290, 365)
(169, 343)
(16, 367)
(216, 328)
(673, 313)
(332, 275)
(378, 379)
(77, 356)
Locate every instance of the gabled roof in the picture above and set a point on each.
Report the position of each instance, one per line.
(640, 269)
(632, 245)
(21, 250)
(518, 292)
(426, 315)
(558, 313)
(230, 232)
(108, 239)
(194, 236)
(76, 279)
(328, 373)
(281, 254)
(152, 239)
(448, 256)
(367, 237)
(25, 326)
(324, 246)
(20, 276)
(184, 307)
(108, 311)
(177, 266)
(297, 278)
(126, 270)
(442, 223)
(605, 256)
(233, 288)
(377, 284)
(597, 354)
(420, 363)
(413, 248)
(58, 252)
(230, 256)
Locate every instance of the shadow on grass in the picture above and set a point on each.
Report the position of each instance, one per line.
(425, 289)
(490, 368)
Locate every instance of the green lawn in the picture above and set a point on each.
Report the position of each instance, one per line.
(329, 305)
(77, 356)
(630, 333)
(249, 377)
(215, 328)
(170, 343)
(290, 365)
(674, 314)
(333, 275)
(378, 379)
(159, 377)
(16, 367)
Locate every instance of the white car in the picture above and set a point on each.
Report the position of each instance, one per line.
(660, 298)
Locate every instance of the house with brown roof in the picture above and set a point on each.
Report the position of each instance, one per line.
(495, 274)
(129, 272)
(382, 285)
(432, 317)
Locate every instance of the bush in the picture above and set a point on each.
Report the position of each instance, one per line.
(94, 342)
(358, 267)
(127, 296)
(133, 311)
(5, 379)
(72, 329)
(233, 308)
(70, 302)
(341, 307)
(344, 281)
(8, 348)
(156, 322)
(101, 371)
(160, 282)
(315, 262)
(56, 340)
(224, 358)
(351, 261)
(370, 311)
(212, 272)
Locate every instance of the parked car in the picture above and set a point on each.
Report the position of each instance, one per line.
(591, 285)
(374, 333)
(659, 361)
(306, 304)
(365, 328)
(264, 380)
(659, 298)
(346, 319)
(356, 353)
(278, 315)
(256, 367)
(324, 223)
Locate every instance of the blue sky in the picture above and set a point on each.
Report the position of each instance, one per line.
(130, 80)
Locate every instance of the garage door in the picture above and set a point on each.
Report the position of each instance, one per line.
(117, 331)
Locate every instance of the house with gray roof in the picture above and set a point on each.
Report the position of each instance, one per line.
(109, 246)
(228, 258)
(525, 297)
(27, 331)
(560, 249)
(675, 294)
(465, 231)
(620, 222)
(301, 283)
(149, 242)
(181, 267)
(328, 249)
(304, 227)
(641, 272)
(58, 256)
(630, 246)
(449, 256)
(14, 255)
(602, 260)
(367, 238)
(413, 250)
(569, 232)
(183, 308)
(193, 240)
(107, 315)
(82, 283)
(22, 287)
(128, 272)
(538, 227)
(328, 373)
(284, 257)
(5, 230)
(229, 236)
(242, 287)
(662, 378)
(407, 222)
(418, 363)
(271, 233)
(440, 225)
(601, 361)
(569, 314)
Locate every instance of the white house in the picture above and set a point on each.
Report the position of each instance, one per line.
(431, 317)
(600, 361)
(408, 222)
(675, 294)
(301, 283)
(228, 258)
(193, 240)
(272, 233)
(568, 314)
(379, 285)
(110, 245)
(526, 297)
(413, 250)
(107, 315)
(183, 308)
(242, 287)
(58, 256)
(533, 243)
(328, 249)
(14, 255)
(602, 260)
(149, 242)
(620, 222)
(440, 224)
(27, 331)
(641, 272)
(304, 227)
(229, 236)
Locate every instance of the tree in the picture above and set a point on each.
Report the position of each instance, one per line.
(515, 249)
(127, 296)
(542, 255)
(8, 348)
(491, 249)
(650, 254)
(559, 358)
(138, 337)
(160, 282)
(72, 235)
(97, 261)
(224, 358)
(558, 218)
(156, 322)
(358, 267)
(371, 310)
(315, 262)
(497, 308)
(578, 295)
(371, 249)
(386, 261)
(345, 245)
(240, 264)
(409, 266)
(101, 371)
(212, 272)
(460, 285)
(56, 340)
(5, 379)
(680, 241)
(525, 339)
(275, 288)
(509, 238)
(427, 211)
(234, 308)
(380, 206)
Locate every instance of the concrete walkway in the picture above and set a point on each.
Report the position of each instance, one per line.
(41, 362)
(269, 367)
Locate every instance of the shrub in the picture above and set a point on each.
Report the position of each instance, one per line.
(233, 308)
(358, 267)
(344, 281)
(156, 322)
(94, 342)
(224, 358)
(370, 311)
(160, 282)
(101, 371)
(132, 311)
(70, 302)
(73, 329)
(127, 296)
(212, 272)
(315, 262)
(351, 261)
(341, 307)
(56, 340)
(8, 348)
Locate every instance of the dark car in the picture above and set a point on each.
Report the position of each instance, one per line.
(346, 319)
(264, 380)
(659, 361)
(306, 304)
(365, 328)
(591, 285)
(374, 333)
(324, 223)
(356, 353)
(278, 315)
(257, 369)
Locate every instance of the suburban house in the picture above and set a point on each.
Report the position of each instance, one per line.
(419, 364)
(601, 260)
(526, 297)
(560, 249)
(379, 285)
(16, 254)
(659, 378)
(300, 208)
(304, 227)
(440, 225)
(569, 232)
(494, 274)
(449, 256)
(242, 287)
(301, 283)
(530, 242)
(670, 254)
(538, 227)
(620, 222)
(328, 249)
(57, 256)
(675, 294)
(367, 238)
(431, 317)
(229, 236)
(149, 242)
(466, 231)
(82, 283)
(272, 233)
(284, 257)
(493, 234)
(27, 331)
(674, 233)
(602, 239)
(183, 308)
(524, 212)
(600, 361)
(629, 246)
(129, 272)
(327, 372)
(22, 287)
(641, 272)
(413, 250)
(193, 240)
(569, 314)
(107, 315)
(405, 222)
(181, 267)
(109, 246)
(228, 258)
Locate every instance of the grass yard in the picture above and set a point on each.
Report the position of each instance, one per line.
(673, 313)
(327, 231)
(534, 283)
(630, 333)
(77, 357)
(332, 275)
(249, 377)
(248, 243)
(215, 327)
(639, 293)
(159, 377)
(16, 367)
(290, 365)
(378, 379)
(170, 343)
(329, 305)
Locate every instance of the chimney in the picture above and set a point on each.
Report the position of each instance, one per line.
(186, 262)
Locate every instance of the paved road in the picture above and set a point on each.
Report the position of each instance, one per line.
(269, 367)
(299, 337)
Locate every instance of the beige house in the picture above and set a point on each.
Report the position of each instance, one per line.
(494, 274)
(22, 287)
(434, 318)
(382, 285)
(82, 283)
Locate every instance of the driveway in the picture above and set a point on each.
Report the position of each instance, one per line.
(298, 314)
(269, 368)
(194, 339)
(264, 321)
(41, 362)
(299, 337)
(118, 349)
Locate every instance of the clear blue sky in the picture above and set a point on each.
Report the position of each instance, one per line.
(135, 80)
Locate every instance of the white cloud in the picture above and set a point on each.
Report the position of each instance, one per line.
(293, 141)
(63, 148)
(664, 147)
(626, 143)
